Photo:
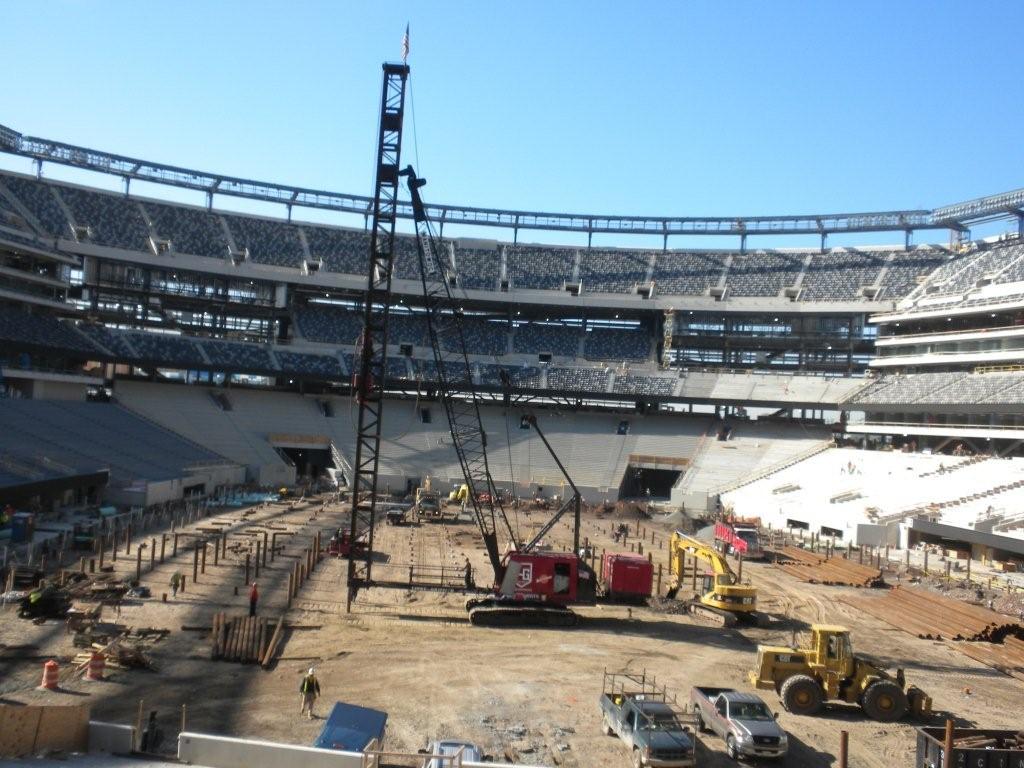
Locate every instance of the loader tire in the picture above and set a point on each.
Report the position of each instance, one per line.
(801, 695)
(884, 701)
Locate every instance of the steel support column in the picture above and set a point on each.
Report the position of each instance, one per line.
(368, 387)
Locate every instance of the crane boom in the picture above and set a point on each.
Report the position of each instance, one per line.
(574, 502)
(455, 387)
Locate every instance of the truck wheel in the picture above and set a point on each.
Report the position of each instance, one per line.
(607, 727)
(701, 728)
(730, 748)
(885, 701)
(638, 759)
(801, 695)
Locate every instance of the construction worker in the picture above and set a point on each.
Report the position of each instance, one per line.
(310, 690)
(175, 583)
(254, 596)
(37, 594)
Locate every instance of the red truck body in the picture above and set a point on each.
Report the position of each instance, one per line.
(626, 576)
(736, 537)
(339, 545)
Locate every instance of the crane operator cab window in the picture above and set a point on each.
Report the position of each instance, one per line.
(563, 574)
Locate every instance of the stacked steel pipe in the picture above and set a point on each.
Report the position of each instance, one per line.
(816, 568)
(992, 638)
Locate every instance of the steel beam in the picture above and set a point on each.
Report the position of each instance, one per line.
(1002, 205)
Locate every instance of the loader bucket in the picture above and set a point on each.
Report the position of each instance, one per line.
(920, 702)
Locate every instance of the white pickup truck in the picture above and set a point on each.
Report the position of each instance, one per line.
(743, 721)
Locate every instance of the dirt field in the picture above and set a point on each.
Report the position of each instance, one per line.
(416, 657)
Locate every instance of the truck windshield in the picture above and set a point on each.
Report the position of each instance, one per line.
(662, 722)
(752, 711)
(750, 537)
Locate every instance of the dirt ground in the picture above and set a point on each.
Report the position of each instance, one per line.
(416, 657)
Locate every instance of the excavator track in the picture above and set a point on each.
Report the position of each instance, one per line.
(715, 615)
(521, 616)
(729, 618)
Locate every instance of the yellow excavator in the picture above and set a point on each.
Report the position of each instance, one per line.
(717, 593)
(459, 495)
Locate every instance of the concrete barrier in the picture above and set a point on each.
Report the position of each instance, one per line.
(111, 737)
(226, 752)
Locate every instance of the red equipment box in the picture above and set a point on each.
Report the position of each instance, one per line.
(626, 575)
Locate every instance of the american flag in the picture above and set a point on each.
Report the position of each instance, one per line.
(405, 44)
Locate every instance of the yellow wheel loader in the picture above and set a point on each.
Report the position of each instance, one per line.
(805, 678)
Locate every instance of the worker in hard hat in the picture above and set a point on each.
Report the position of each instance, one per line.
(310, 690)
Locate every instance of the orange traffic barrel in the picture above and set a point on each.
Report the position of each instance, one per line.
(51, 671)
(97, 664)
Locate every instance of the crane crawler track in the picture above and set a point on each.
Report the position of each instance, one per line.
(497, 615)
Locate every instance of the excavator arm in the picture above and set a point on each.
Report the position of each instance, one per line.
(724, 598)
(705, 553)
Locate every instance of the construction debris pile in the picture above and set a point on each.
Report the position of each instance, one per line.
(102, 587)
(986, 636)
(996, 741)
(119, 653)
(815, 568)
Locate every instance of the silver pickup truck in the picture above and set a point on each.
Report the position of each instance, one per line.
(743, 720)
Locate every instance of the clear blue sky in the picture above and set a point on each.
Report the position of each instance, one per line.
(670, 108)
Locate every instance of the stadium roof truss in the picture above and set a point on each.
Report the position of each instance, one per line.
(956, 217)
